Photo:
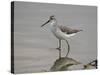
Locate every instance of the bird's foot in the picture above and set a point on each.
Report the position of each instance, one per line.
(58, 48)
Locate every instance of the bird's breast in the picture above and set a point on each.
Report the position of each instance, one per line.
(56, 32)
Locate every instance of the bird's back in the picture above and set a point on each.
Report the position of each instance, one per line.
(68, 30)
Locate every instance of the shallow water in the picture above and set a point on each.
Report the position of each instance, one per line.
(35, 46)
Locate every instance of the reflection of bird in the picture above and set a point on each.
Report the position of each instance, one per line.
(61, 32)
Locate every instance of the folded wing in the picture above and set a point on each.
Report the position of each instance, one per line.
(68, 30)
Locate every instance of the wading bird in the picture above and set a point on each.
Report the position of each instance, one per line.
(61, 32)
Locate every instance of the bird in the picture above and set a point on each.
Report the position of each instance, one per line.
(60, 32)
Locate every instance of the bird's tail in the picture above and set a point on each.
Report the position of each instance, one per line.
(80, 30)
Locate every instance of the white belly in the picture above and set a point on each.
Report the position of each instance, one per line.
(61, 35)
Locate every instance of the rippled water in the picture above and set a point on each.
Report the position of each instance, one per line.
(35, 46)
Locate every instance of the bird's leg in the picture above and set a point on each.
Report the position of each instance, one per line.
(59, 47)
(59, 53)
(68, 48)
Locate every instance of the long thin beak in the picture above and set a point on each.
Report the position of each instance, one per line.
(45, 23)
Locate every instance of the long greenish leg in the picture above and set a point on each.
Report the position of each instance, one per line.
(59, 53)
(59, 47)
(68, 48)
(59, 44)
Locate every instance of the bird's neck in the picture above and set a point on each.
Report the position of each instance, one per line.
(54, 23)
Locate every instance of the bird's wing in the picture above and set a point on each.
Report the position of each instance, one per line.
(68, 30)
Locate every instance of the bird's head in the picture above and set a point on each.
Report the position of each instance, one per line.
(50, 19)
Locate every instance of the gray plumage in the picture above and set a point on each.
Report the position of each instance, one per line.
(68, 30)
